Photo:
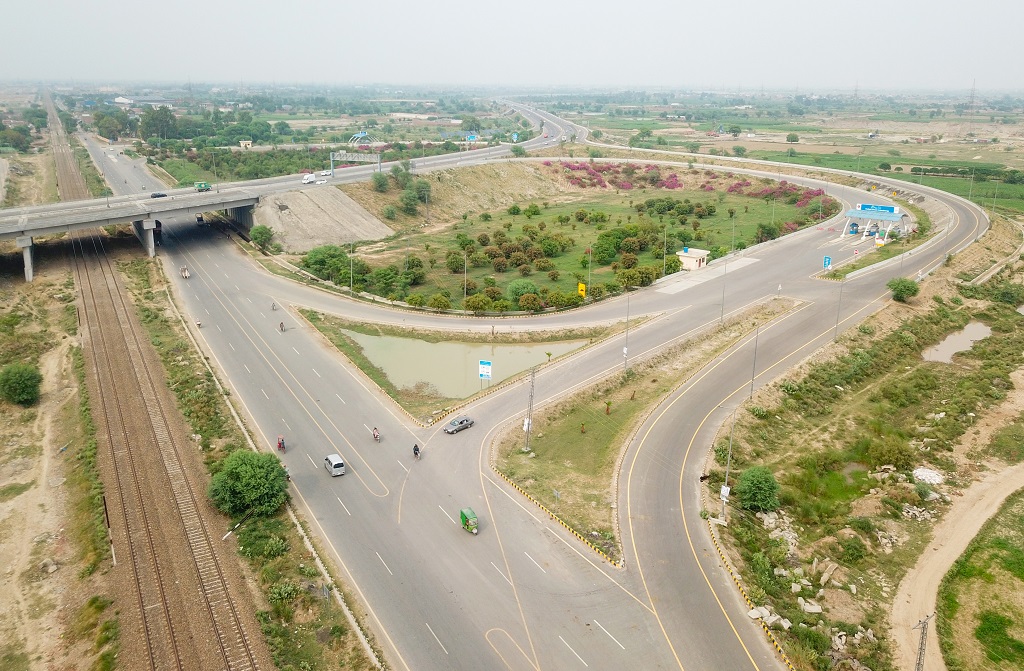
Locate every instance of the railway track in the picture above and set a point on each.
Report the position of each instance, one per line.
(179, 628)
(70, 183)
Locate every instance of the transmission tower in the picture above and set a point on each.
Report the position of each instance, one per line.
(923, 624)
(970, 108)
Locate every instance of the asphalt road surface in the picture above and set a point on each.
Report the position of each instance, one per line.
(523, 594)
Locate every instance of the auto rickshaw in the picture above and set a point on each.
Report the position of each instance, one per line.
(468, 519)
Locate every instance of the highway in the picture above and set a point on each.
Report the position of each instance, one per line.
(523, 594)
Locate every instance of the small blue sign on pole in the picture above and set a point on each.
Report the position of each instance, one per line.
(515, 137)
(827, 263)
(485, 370)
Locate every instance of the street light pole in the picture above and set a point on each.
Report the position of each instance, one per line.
(664, 252)
(465, 269)
(753, 368)
(351, 289)
(839, 309)
(728, 461)
(625, 348)
(590, 265)
(724, 276)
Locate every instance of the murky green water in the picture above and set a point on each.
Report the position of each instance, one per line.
(453, 368)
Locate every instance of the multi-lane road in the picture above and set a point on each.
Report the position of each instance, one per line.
(523, 594)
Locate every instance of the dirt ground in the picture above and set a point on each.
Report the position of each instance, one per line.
(302, 220)
(39, 587)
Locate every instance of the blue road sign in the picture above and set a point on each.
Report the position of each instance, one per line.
(515, 137)
(827, 262)
(876, 208)
(471, 138)
(485, 370)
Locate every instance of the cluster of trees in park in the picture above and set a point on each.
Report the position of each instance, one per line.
(979, 173)
(19, 136)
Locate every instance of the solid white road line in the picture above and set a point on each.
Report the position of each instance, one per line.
(534, 561)
(437, 639)
(502, 574)
(609, 635)
(573, 651)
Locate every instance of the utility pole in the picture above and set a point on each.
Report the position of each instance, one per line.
(625, 348)
(728, 462)
(753, 368)
(528, 422)
(839, 308)
(923, 624)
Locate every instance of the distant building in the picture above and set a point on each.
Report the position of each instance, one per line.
(692, 258)
(121, 101)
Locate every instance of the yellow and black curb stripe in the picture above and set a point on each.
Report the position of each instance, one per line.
(556, 518)
(750, 604)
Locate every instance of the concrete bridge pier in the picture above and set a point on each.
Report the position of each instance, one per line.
(25, 242)
(242, 216)
(144, 232)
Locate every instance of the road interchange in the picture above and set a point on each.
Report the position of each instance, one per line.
(524, 594)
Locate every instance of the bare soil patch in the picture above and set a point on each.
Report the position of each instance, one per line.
(302, 220)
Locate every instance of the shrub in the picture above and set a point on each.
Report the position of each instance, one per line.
(853, 550)
(500, 264)
(416, 300)
(439, 302)
(530, 302)
(478, 303)
(552, 275)
(249, 481)
(380, 182)
(902, 289)
(518, 288)
(494, 293)
(19, 383)
(758, 490)
(525, 269)
(390, 213)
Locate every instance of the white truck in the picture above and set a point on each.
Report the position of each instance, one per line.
(308, 179)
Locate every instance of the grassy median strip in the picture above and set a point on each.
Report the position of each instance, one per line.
(576, 442)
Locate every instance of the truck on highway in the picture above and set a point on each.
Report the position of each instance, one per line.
(202, 186)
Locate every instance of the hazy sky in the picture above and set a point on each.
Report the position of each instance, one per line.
(804, 45)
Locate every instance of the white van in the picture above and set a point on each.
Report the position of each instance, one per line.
(308, 179)
(334, 465)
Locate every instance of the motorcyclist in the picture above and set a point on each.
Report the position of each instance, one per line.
(416, 451)
(376, 434)
(273, 306)
(281, 326)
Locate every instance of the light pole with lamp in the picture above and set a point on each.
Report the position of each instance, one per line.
(728, 463)
(465, 269)
(725, 275)
(753, 368)
(590, 265)
(839, 308)
(625, 347)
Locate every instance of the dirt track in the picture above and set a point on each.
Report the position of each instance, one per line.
(915, 598)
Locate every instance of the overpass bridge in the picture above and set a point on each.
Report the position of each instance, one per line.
(142, 213)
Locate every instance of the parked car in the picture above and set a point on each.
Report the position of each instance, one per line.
(158, 194)
(458, 424)
(325, 173)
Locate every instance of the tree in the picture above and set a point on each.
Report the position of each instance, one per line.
(735, 130)
(380, 182)
(159, 122)
(739, 150)
(903, 289)
(514, 209)
(422, 189)
(439, 302)
(530, 303)
(455, 262)
(885, 167)
(792, 138)
(758, 490)
(409, 201)
(478, 303)
(518, 288)
(261, 235)
(249, 481)
(282, 128)
(19, 383)
(518, 151)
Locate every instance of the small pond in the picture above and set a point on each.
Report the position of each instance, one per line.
(960, 341)
(453, 368)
